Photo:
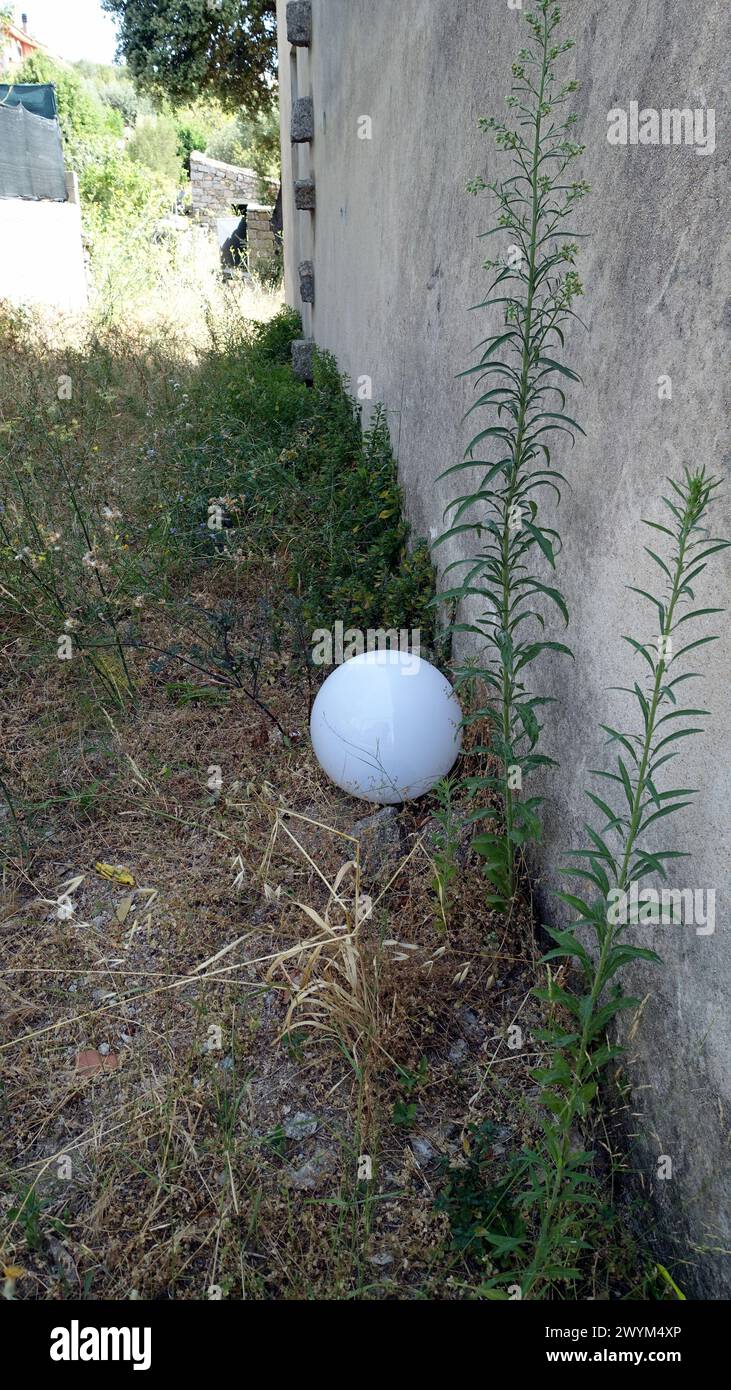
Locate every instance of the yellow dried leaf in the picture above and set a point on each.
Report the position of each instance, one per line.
(116, 873)
(123, 907)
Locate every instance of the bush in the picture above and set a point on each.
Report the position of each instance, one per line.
(80, 116)
(121, 96)
(252, 144)
(155, 145)
(273, 340)
(115, 190)
(190, 137)
(310, 477)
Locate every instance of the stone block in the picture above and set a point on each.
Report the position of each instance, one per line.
(303, 359)
(304, 195)
(307, 282)
(303, 121)
(299, 23)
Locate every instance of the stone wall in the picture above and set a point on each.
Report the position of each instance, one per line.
(380, 104)
(217, 187)
(259, 234)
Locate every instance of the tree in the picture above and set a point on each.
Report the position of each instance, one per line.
(80, 116)
(191, 135)
(249, 141)
(155, 144)
(186, 49)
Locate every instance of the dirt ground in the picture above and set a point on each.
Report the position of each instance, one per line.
(242, 1065)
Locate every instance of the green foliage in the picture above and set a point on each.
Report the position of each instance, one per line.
(182, 52)
(28, 1215)
(446, 844)
(298, 484)
(191, 136)
(560, 1188)
(269, 272)
(533, 288)
(272, 341)
(250, 141)
(155, 143)
(480, 1197)
(60, 559)
(405, 1109)
(353, 559)
(314, 480)
(117, 192)
(121, 95)
(81, 117)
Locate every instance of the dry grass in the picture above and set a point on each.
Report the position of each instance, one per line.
(181, 1176)
(264, 963)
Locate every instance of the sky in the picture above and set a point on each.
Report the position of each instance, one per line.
(71, 29)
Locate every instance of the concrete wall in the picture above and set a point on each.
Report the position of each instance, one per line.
(41, 254)
(396, 265)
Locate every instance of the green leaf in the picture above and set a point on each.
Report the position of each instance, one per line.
(541, 540)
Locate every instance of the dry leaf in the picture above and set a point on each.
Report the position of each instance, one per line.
(64, 1260)
(90, 1061)
(123, 907)
(116, 873)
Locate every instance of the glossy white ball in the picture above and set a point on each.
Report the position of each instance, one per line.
(385, 726)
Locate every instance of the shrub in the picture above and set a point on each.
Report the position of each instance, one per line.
(114, 190)
(310, 478)
(80, 117)
(251, 143)
(273, 340)
(155, 145)
(122, 96)
(190, 137)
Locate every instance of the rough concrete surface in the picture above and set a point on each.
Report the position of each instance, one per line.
(395, 251)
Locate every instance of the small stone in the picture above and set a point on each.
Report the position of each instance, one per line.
(380, 840)
(457, 1052)
(301, 1125)
(471, 1024)
(313, 1173)
(423, 1152)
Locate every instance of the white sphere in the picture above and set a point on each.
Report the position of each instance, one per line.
(386, 726)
